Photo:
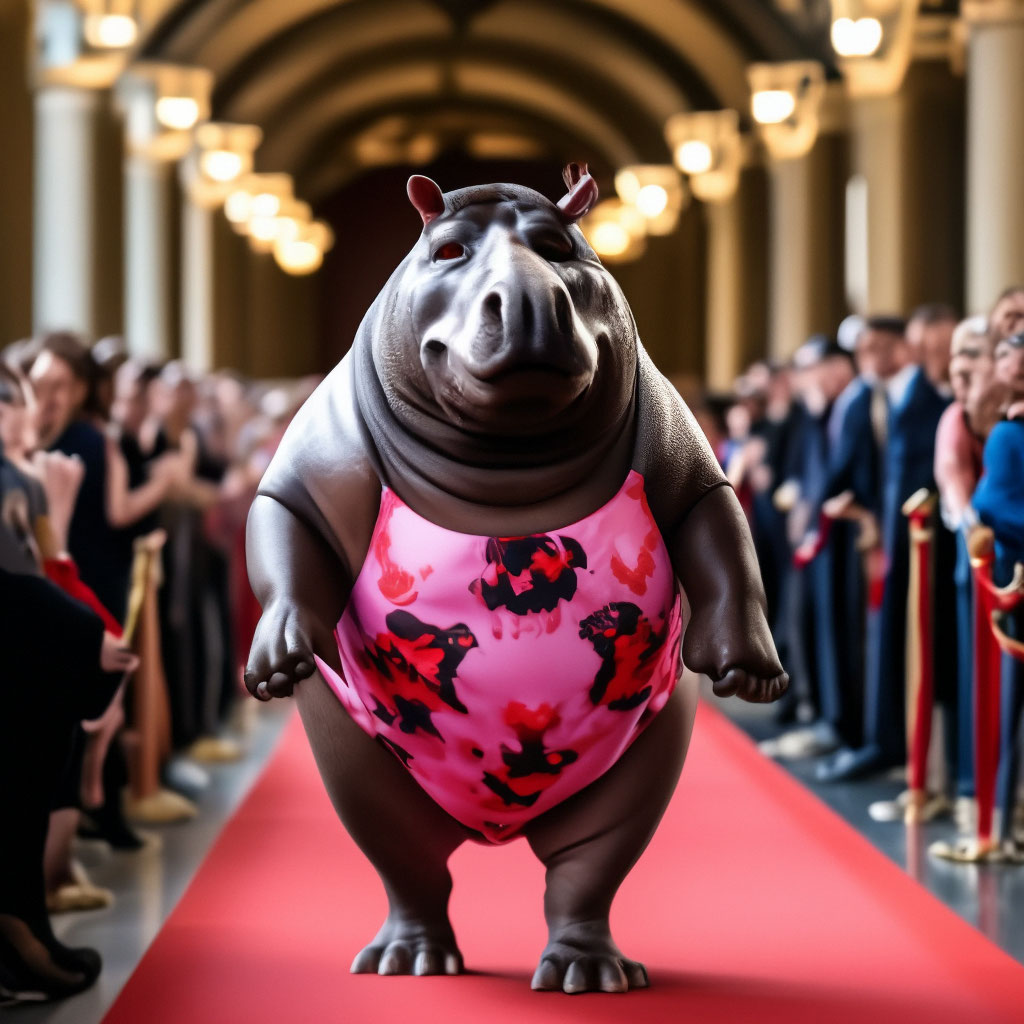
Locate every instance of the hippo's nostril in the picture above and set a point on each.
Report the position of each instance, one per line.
(492, 305)
(435, 348)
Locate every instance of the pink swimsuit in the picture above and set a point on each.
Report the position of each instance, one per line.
(508, 673)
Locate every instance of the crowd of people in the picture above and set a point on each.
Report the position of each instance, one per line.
(109, 714)
(105, 460)
(833, 454)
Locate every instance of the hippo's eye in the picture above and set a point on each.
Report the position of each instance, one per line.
(450, 251)
(553, 248)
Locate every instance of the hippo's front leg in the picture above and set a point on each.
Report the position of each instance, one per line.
(302, 586)
(727, 637)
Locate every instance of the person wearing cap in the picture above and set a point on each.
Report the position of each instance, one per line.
(885, 453)
(999, 503)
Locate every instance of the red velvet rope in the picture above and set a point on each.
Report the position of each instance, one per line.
(64, 573)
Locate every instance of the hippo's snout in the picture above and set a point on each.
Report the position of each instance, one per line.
(520, 329)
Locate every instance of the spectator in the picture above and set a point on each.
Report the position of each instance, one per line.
(46, 688)
(70, 419)
(892, 428)
(999, 501)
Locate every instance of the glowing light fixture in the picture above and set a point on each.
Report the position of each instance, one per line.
(298, 257)
(238, 206)
(651, 201)
(110, 31)
(162, 105)
(694, 156)
(785, 102)
(221, 156)
(262, 230)
(616, 231)
(772, 106)
(304, 253)
(610, 239)
(874, 41)
(288, 229)
(179, 113)
(708, 147)
(265, 205)
(656, 192)
(221, 164)
(258, 198)
(285, 224)
(82, 43)
(860, 38)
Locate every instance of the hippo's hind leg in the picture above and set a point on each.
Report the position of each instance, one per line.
(588, 845)
(403, 833)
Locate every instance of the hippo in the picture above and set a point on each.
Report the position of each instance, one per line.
(484, 549)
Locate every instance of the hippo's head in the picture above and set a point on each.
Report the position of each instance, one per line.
(501, 319)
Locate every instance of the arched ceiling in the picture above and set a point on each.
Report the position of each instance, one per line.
(330, 80)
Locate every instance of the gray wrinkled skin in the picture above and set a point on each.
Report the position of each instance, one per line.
(498, 386)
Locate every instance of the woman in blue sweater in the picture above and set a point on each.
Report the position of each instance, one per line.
(999, 501)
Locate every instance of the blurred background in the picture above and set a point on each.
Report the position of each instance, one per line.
(199, 199)
(768, 167)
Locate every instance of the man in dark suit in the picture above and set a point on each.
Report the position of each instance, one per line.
(821, 372)
(885, 454)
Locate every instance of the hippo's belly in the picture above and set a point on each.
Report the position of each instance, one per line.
(509, 673)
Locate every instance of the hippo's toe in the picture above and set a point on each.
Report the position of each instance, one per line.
(410, 949)
(569, 968)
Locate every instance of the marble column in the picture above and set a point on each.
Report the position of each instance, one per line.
(150, 257)
(65, 219)
(804, 247)
(198, 283)
(723, 358)
(995, 149)
(907, 153)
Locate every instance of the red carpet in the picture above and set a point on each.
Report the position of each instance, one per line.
(754, 903)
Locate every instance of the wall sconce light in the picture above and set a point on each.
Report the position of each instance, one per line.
(110, 24)
(304, 253)
(285, 223)
(257, 196)
(656, 191)
(83, 44)
(615, 231)
(785, 101)
(873, 40)
(707, 146)
(163, 103)
(179, 113)
(223, 154)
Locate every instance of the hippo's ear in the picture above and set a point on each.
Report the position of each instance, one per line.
(582, 194)
(426, 196)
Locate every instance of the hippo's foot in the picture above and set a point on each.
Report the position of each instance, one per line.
(411, 945)
(581, 957)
